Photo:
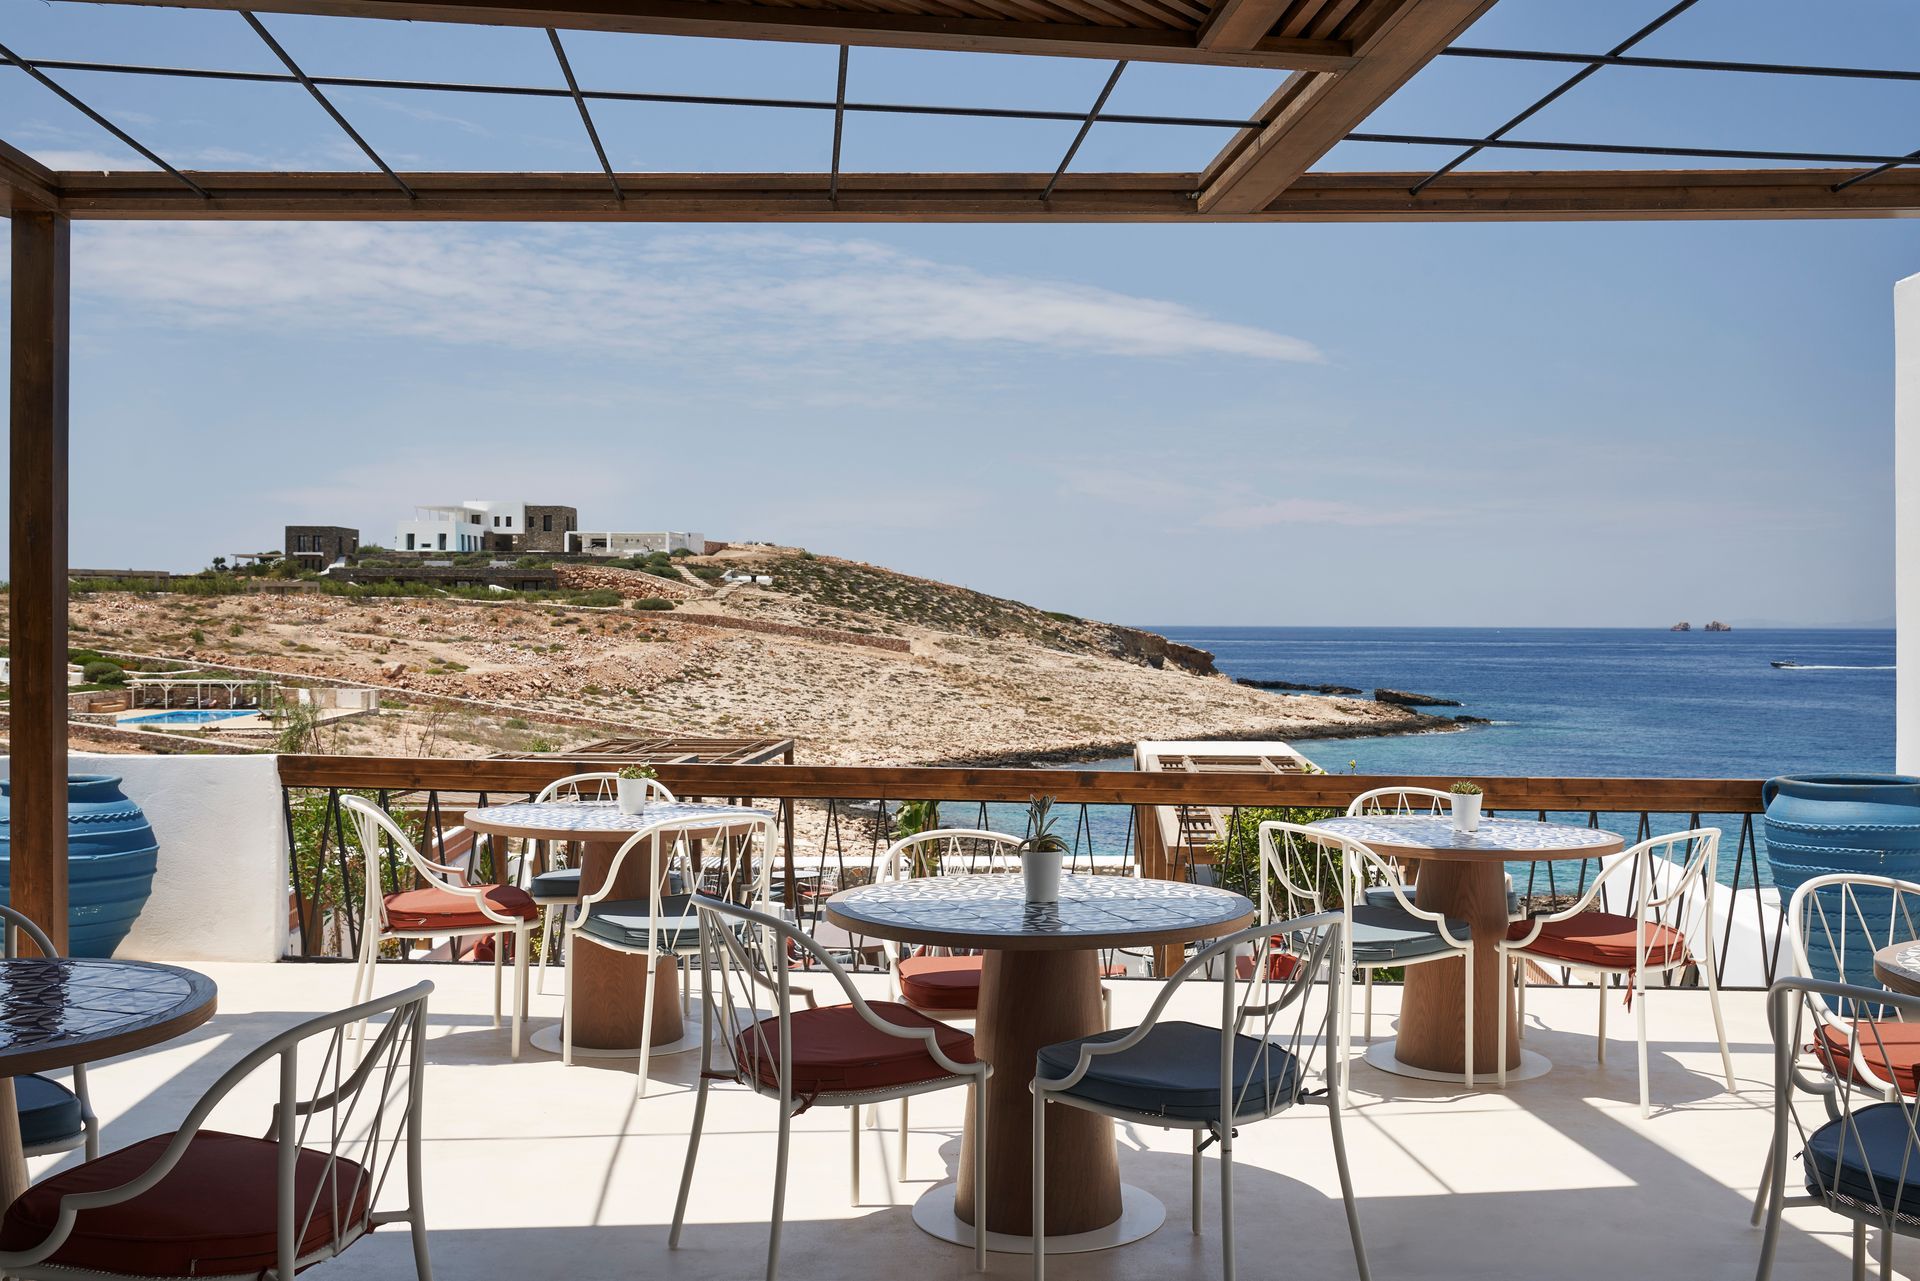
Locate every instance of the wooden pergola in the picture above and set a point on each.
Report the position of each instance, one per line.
(1344, 59)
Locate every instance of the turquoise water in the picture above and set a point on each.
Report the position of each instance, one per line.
(186, 716)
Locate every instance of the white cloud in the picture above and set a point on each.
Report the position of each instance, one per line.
(600, 290)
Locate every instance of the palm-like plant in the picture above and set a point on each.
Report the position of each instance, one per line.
(1041, 838)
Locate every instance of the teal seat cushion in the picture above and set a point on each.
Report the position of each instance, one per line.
(631, 922)
(1389, 935)
(1381, 896)
(1175, 1072)
(562, 883)
(49, 1111)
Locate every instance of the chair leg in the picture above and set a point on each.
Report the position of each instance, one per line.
(1366, 1020)
(547, 940)
(1500, 1037)
(1469, 1013)
(566, 1007)
(1520, 1012)
(779, 1192)
(1226, 1201)
(1859, 1252)
(686, 1171)
(1600, 1053)
(1196, 1198)
(1039, 1186)
(978, 1093)
(1640, 1033)
(522, 941)
(1346, 1189)
(853, 1162)
(1719, 1024)
(499, 970)
(646, 1021)
(902, 1158)
(1761, 1197)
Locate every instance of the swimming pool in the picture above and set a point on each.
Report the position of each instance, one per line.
(189, 716)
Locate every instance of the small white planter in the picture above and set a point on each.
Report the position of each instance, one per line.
(1041, 870)
(630, 794)
(1466, 811)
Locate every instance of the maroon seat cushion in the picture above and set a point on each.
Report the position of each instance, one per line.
(1602, 939)
(1889, 1051)
(941, 982)
(213, 1214)
(835, 1050)
(437, 909)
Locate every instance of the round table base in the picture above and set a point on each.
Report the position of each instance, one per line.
(548, 1038)
(1381, 1055)
(1141, 1214)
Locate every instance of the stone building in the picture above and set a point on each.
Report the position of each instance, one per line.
(317, 546)
(547, 528)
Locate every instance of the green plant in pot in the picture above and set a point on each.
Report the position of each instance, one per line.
(1042, 853)
(1466, 806)
(630, 788)
(911, 819)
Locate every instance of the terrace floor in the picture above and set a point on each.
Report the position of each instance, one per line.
(534, 1169)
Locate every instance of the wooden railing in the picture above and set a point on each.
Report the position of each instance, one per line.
(836, 818)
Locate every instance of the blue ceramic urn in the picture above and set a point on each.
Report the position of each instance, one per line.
(111, 855)
(1868, 824)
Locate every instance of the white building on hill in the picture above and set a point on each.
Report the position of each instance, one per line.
(619, 543)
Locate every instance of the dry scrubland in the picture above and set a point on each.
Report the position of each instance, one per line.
(981, 679)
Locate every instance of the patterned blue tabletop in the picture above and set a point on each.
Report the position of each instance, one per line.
(1515, 839)
(589, 818)
(54, 1012)
(992, 912)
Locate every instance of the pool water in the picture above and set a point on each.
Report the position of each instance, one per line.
(189, 716)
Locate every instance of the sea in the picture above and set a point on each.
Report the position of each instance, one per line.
(1598, 702)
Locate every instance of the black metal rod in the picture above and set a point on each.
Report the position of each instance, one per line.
(1086, 126)
(619, 95)
(1633, 149)
(307, 83)
(1553, 95)
(839, 126)
(1683, 64)
(1910, 157)
(112, 128)
(586, 117)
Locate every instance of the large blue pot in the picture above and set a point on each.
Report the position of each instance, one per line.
(1868, 824)
(111, 854)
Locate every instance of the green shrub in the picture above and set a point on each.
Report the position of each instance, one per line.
(102, 672)
(600, 597)
(653, 602)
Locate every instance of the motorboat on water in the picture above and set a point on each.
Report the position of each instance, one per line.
(1784, 662)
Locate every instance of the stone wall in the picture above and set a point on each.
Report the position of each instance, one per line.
(539, 538)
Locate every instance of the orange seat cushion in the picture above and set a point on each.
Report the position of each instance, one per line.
(213, 1214)
(835, 1050)
(437, 909)
(941, 982)
(1602, 939)
(1280, 965)
(1890, 1050)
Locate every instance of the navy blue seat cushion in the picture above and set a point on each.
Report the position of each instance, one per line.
(1175, 1072)
(1381, 896)
(561, 883)
(49, 1111)
(1864, 1159)
(1384, 935)
(629, 923)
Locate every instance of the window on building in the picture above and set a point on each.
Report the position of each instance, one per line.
(409, 542)
(443, 543)
(546, 523)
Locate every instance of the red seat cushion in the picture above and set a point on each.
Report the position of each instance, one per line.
(437, 909)
(213, 1214)
(941, 982)
(1602, 939)
(1890, 1050)
(1280, 965)
(835, 1050)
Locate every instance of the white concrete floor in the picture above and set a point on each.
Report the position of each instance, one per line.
(534, 1169)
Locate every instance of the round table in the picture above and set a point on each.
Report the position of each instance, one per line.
(56, 1012)
(1039, 985)
(1464, 875)
(1898, 966)
(607, 1009)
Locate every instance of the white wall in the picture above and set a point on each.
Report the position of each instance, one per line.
(220, 891)
(1906, 521)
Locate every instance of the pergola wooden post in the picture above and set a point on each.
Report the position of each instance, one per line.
(37, 614)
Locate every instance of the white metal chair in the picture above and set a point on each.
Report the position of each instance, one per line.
(1863, 1162)
(1652, 935)
(1179, 1075)
(847, 1055)
(557, 889)
(198, 1202)
(53, 1118)
(444, 907)
(1834, 925)
(1382, 927)
(663, 925)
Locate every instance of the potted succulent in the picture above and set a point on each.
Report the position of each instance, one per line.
(1041, 853)
(630, 789)
(1466, 806)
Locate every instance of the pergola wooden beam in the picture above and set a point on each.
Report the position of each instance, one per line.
(1312, 111)
(1609, 195)
(37, 586)
(25, 183)
(733, 21)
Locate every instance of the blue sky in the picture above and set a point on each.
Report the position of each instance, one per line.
(1446, 425)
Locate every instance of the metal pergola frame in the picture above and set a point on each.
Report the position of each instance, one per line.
(1344, 58)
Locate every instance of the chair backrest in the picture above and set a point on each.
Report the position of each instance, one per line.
(950, 851)
(1836, 923)
(600, 785)
(1401, 800)
(360, 1117)
(1668, 880)
(16, 923)
(1305, 869)
(1866, 1153)
(1267, 1002)
(374, 830)
(748, 955)
(741, 872)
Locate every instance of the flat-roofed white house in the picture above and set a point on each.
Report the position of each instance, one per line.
(629, 543)
(446, 528)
